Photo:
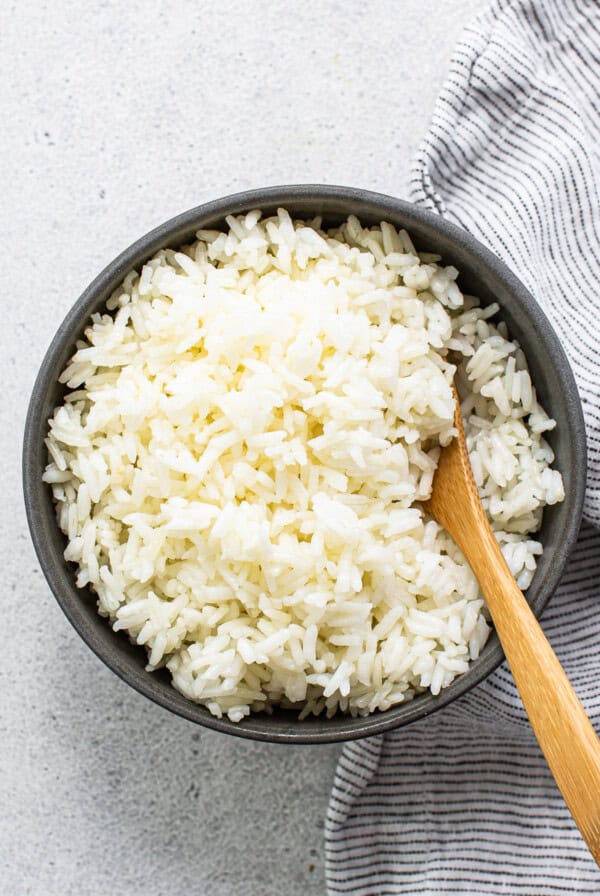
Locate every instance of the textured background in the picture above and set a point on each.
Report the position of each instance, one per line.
(116, 117)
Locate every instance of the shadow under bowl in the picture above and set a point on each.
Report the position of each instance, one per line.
(481, 274)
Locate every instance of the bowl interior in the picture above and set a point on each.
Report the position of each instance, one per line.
(481, 274)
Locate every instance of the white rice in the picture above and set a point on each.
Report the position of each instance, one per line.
(239, 463)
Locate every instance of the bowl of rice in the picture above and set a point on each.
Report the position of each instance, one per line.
(230, 439)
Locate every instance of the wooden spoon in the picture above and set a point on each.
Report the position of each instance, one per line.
(563, 730)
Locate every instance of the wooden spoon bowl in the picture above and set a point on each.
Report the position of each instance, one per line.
(563, 730)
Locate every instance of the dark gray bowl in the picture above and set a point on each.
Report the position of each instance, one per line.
(482, 274)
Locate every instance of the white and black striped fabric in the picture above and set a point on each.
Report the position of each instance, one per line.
(463, 802)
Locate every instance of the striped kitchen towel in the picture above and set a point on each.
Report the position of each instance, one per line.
(463, 802)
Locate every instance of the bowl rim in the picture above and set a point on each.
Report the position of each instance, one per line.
(340, 728)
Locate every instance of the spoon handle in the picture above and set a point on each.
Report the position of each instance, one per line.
(564, 732)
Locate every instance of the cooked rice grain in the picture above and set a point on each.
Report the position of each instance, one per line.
(238, 465)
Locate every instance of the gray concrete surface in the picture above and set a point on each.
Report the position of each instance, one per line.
(116, 116)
